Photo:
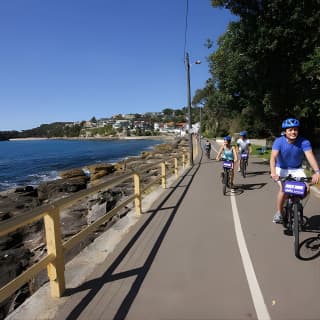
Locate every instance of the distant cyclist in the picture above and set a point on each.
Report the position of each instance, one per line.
(229, 153)
(286, 158)
(207, 148)
(243, 146)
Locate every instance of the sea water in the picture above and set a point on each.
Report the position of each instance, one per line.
(29, 162)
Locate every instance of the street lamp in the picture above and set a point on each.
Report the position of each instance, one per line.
(189, 107)
(200, 131)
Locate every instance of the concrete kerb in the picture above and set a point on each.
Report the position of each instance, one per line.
(41, 306)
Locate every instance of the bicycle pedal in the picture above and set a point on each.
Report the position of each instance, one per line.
(288, 232)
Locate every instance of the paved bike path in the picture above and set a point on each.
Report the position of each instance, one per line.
(181, 260)
(289, 285)
(182, 263)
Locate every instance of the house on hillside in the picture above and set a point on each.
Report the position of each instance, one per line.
(122, 124)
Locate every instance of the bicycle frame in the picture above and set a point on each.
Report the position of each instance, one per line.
(226, 175)
(243, 163)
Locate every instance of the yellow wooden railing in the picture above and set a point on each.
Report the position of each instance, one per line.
(56, 248)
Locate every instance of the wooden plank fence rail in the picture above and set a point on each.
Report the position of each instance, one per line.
(56, 248)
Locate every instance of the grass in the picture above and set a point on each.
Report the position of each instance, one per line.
(260, 152)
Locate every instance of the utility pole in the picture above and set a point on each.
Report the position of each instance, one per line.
(189, 110)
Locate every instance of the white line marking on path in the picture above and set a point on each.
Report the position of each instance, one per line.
(256, 294)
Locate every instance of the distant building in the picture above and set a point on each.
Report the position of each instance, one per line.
(120, 124)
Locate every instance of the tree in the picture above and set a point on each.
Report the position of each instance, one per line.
(267, 63)
(168, 112)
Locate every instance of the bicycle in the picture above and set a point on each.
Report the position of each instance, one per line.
(207, 151)
(226, 175)
(295, 190)
(243, 164)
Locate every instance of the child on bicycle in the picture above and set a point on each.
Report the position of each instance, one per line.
(229, 153)
(243, 146)
(286, 158)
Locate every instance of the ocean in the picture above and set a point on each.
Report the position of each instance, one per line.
(30, 162)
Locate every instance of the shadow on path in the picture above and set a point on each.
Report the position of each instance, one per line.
(309, 248)
(250, 186)
(95, 285)
(256, 173)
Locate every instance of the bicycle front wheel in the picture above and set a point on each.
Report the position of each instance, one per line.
(285, 218)
(296, 228)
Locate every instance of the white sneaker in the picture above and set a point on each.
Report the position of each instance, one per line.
(277, 218)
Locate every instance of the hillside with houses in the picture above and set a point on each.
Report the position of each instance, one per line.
(167, 122)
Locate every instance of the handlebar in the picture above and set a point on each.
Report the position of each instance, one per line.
(291, 178)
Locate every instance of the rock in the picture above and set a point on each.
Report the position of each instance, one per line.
(164, 148)
(72, 173)
(98, 175)
(101, 166)
(75, 184)
(28, 191)
(4, 215)
(53, 189)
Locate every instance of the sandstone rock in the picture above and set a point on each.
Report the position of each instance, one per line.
(101, 166)
(67, 174)
(4, 215)
(52, 189)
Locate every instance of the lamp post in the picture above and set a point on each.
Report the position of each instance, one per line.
(200, 131)
(189, 107)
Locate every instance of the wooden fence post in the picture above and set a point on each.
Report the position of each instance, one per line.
(137, 193)
(163, 174)
(54, 246)
(176, 167)
(195, 143)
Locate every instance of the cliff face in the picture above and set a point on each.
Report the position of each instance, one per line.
(22, 248)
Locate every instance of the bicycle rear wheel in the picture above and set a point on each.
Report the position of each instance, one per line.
(225, 182)
(296, 228)
(243, 167)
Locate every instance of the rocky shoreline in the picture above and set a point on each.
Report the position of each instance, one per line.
(20, 249)
(160, 137)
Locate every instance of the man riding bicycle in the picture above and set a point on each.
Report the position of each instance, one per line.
(207, 148)
(243, 146)
(286, 158)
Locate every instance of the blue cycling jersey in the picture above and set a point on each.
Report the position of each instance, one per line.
(290, 154)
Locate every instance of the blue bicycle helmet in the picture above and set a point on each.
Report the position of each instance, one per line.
(290, 122)
(227, 138)
(243, 133)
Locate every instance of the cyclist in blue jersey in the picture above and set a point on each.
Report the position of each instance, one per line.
(229, 153)
(286, 158)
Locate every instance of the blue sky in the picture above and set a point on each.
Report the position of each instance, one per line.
(70, 60)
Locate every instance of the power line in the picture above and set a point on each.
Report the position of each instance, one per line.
(186, 28)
